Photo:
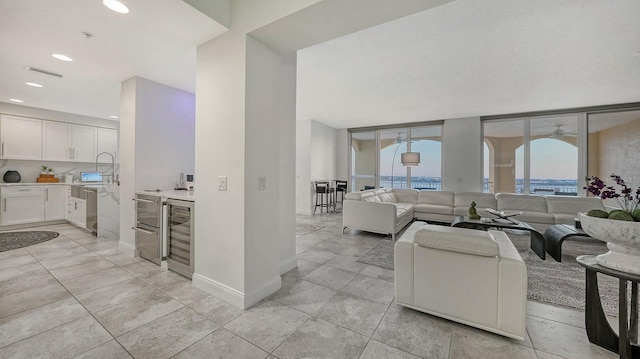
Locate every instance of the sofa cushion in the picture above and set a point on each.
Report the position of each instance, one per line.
(521, 202)
(443, 198)
(405, 205)
(459, 240)
(406, 195)
(388, 197)
(572, 205)
(433, 208)
(372, 198)
(483, 200)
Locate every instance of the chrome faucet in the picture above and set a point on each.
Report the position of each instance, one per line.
(113, 166)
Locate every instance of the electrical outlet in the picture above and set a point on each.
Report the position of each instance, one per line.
(222, 183)
(262, 183)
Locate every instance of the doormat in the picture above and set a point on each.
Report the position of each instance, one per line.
(15, 240)
(303, 228)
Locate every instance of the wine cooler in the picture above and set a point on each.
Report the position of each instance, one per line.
(180, 230)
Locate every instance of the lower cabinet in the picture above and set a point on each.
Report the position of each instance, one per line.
(54, 203)
(78, 212)
(22, 204)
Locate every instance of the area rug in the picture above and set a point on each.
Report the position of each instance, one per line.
(558, 283)
(304, 228)
(15, 240)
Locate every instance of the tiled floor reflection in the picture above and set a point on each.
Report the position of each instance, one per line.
(79, 297)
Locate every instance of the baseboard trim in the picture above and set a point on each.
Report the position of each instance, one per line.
(266, 289)
(288, 264)
(307, 212)
(233, 296)
(127, 248)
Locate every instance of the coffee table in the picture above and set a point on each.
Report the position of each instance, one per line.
(556, 234)
(538, 245)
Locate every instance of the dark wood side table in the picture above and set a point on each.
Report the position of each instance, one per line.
(598, 329)
(538, 244)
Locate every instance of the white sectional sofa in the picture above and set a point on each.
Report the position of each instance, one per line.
(471, 277)
(387, 210)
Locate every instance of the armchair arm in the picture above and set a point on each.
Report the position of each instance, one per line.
(377, 217)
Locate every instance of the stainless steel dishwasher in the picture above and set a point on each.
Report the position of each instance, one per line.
(180, 232)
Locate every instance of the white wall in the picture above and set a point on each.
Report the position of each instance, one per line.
(320, 153)
(303, 167)
(245, 93)
(287, 172)
(156, 143)
(462, 154)
(220, 151)
(342, 160)
(165, 135)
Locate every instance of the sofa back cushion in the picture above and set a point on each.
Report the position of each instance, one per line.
(406, 195)
(388, 197)
(483, 200)
(461, 240)
(521, 202)
(444, 198)
(572, 205)
(371, 198)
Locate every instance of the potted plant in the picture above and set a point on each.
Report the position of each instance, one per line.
(43, 170)
(620, 228)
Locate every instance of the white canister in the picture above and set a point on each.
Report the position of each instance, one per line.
(68, 179)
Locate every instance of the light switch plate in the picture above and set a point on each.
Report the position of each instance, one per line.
(262, 183)
(222, 183)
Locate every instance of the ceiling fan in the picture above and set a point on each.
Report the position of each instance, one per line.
(559, 133)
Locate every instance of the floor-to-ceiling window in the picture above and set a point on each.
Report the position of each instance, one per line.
(537, 155)
(377, 157)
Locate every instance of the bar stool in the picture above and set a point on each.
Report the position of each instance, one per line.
(325, 193)
(341, 188)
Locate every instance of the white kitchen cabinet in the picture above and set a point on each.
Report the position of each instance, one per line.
(20, 138)
(54, 202)
(83, 143)
(22, 204)
(56, 141)
(107, 142)
(78, 214)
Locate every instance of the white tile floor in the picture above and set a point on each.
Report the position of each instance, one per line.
(78, 297)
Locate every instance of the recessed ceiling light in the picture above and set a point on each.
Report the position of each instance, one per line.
(637, 54)
(62, 57)
(33, 84)
(116, 6)
(15, 100)
(113, 116)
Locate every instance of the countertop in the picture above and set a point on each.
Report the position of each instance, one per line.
(172, 194)
(90, 185)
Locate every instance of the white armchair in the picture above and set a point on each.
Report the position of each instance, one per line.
(472, 277)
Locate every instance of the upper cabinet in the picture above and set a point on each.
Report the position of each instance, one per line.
(20, 138)
(107, 142)
(32, 139)
(83, 143)
(56, 141)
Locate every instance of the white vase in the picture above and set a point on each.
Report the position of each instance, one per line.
(623, 242)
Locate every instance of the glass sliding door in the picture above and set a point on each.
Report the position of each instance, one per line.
(536, 155)
(427, 140)
(553, 163)
(393, 143)
(364, 159)
(503, 167)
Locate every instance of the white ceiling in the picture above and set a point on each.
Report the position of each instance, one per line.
(463, 58)
(472, 58)
(157, 40)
